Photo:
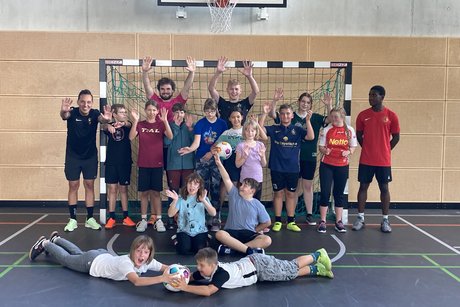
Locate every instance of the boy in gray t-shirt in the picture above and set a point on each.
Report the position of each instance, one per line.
(246, 220)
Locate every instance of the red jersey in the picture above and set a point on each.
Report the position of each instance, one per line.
(150, 144)
(377, 128)
(337, 140)
(168, 104)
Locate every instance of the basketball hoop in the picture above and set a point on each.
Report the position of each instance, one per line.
(221, 14)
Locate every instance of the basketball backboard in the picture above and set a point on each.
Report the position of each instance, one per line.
(241, 3)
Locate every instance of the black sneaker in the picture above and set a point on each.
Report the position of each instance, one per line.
(53, 236)
(321, 227)
(339, 227)
(37, 248)
(310, 220)
(258, 250)
(224, 250)
(174, 239)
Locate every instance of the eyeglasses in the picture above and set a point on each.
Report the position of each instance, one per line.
(210, 111)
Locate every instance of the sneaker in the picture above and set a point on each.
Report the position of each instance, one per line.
(215, 224)
(71, 225)
(258, 251)
(224, 250)
(174, 239)
(141, 226)
(324, 259)
(277, 226)
(310, 220)
(127, 221)
(292, 226)
(358, 224)
(110, 223)
(159, 226)
(339, 227)
(37, 248)
(91, 223)
(152, 220)
(385, 226)
(322, 271)
(53, 236)
(321, 227)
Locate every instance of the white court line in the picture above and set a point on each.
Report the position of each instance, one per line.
(429, 235)
(342, 250)
(23, 229)
(110, 245)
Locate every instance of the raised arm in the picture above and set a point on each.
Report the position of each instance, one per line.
(327, 101)
(310, 132)
(266, 110)
(213, 82)
(164, 119)
(146, 67)
(207, 205)
(247, 72)
(65, 108)
(277, 96)
(172, 210)
(135, 119)
(106, 116)
(223, 173)
(191, 68)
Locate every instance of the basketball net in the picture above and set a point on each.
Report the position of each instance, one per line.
(221, 14)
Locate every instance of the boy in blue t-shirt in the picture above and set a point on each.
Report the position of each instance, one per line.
(207, 130)
(284, 161)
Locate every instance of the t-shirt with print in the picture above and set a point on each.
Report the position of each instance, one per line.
(118, 267)
(168, 104)
(231, 275)
(285, 147)
(118, 147)
(244, 214)
(81, 134)
(191, 216)
(337, 140)
(150, 140)
(209, 133)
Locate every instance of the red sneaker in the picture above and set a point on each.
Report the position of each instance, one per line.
(128, 222)
(110, 223)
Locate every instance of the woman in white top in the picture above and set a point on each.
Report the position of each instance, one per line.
(99, 263)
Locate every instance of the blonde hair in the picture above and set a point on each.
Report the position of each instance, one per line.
(252, 124)
(343, 114)
(233, 82)
(139, 241)
(207, 255)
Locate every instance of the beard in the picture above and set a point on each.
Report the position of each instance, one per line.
(166, 96)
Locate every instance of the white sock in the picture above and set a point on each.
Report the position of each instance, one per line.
(385, 217)
(361, 215)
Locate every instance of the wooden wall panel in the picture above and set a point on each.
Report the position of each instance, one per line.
(452, 117)
(157, 46)
(256, 48)
(450, 190)
(408, 185)
(33, 148)
(418, 151)
(65, 46)
(421, 117)
(37, 183)
(48, 78)
(376, 50)
(404, 83)
(453, 80)
(452, 150)
(453, 52)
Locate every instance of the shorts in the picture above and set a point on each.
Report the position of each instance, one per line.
(282, 181)
(367, 172)
(232, 170)
(270, 268)
(243, 235)
(74, 167)
(150, 179)
(307, 169)
(118, 174)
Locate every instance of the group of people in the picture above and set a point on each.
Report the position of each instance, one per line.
(194, 172)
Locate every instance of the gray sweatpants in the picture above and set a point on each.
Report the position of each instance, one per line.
(270, 268)
(71, 256)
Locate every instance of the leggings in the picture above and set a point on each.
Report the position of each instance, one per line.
(188, 245)
(329, 174)
(69, 255)
(210, 173)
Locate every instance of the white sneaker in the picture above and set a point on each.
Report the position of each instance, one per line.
(141, 226)
(159, 226)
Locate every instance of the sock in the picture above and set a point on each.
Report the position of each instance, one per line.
(112, 214)
(144, 216)
(73, 211)
(313, 270)
(125, 213)
(249, 251)
(385, 217)
(309, 214)
(159, 217)
(290, 219)
(315, 256)
(89, 212)
(361, 215)
(278, 219)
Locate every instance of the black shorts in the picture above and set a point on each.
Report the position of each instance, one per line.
(282, 181)
(307, 169)
(118, 174)
(367, 172)
(242, 235)
(150, 179)
(74, 167)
